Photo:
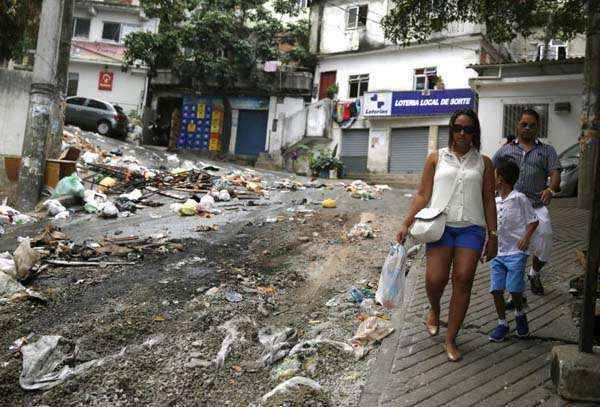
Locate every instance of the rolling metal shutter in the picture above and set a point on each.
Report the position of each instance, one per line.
(355, 148)
(442, 137)
(408, 149)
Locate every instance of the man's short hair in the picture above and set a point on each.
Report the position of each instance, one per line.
(532, 113)
(508, 170)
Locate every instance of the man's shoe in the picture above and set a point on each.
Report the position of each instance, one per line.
(499, 333)
(536, 285)
(522, 326)
(510, 305)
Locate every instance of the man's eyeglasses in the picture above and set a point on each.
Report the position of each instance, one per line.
(528, 126)
(457, 128)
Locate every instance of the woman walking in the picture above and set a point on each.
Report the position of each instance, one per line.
(464, 179)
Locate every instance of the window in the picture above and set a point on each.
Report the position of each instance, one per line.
(76, 101)
(358, 85)
(512, 115)
(425, 78)
(81, 27)
(111, 32)
(97, 105)
(556, 50)
(72, 84)
(357, 17)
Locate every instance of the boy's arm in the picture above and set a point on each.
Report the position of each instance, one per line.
(532, 223)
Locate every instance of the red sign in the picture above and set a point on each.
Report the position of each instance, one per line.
(105, 82)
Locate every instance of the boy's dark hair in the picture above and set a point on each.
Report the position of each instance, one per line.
(533, 113)
(508, 170)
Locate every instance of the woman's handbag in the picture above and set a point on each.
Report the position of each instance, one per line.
(429, 225)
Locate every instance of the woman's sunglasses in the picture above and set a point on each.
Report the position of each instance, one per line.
(457, 128)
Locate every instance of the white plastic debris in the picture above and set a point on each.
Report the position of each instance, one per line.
(62, 215)
(311, 346)
(7, 264)
(88, 157)
(50, 361)
(109, 210)
(361, 230)
(275, 342)
(224, 195)
(370, 330)
(54, 207)
(207, 202)
(25, 258)
(134, 195)
(291, 384)
(173, 160)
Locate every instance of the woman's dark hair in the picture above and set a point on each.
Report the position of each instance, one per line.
(471, 115)
(532, 113)
(508, 170)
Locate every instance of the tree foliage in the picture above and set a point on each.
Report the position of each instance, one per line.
(19, 20)
(415, 20)
(211, 43)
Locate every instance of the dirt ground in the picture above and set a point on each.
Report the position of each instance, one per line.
(161, 327)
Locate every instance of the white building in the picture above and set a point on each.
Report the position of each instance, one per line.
(99, 30)
(405, 95)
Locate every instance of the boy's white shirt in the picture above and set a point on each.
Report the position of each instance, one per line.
(514, 214)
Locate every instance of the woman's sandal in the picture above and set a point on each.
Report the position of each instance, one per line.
(452, 355)
(432, 328)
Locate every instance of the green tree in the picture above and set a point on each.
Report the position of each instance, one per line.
(19, 20)
(211, 44)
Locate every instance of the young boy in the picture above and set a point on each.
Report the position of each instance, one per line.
(516, 223)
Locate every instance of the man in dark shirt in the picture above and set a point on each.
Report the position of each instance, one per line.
(537, 161)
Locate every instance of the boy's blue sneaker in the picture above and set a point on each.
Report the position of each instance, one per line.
(522, 325)
(499, 333)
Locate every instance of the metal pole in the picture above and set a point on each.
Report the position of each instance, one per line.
(41, 117)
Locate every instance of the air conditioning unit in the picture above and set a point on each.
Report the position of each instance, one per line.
(562, 107)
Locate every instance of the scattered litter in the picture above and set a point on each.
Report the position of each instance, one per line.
(291, 384)
(275, 342)
(62, 215)
(311, 346)
(25, 258)
(206, 203)
(361, 230)
(370, 330)
(54, 207)
(233, 335)
(233, 296)
(189, 208)
(108, 182)
(361, 190)
(50, 361)
(355, 295)
(212, 292)
(224, 195)
(287, 369)
(390, 291)
(133, 196)
(329, 203)
(109, 210)
(7, 265)
(333, 302)
(69, 186)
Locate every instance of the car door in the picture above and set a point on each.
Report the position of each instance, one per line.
(74, 111)
(95, 110)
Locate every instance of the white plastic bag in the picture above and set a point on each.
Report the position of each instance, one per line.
(392, 281)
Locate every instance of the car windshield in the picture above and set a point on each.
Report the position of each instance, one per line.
(570, 153)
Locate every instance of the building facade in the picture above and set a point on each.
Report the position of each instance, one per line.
(393, 103)
(97, 49)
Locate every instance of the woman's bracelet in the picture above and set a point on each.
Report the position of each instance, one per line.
(493, 233)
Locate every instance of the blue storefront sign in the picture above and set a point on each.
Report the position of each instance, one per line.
(437, 102)
(418, 103)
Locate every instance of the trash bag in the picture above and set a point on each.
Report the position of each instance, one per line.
(109, 210)
(329, 203)
(392, 281)
(25, 258)
(69, 186)
(206, 203)
(7, 265)
(108, 182)
(54, 207)
(50, 361)
(224, 195)
(189, 208)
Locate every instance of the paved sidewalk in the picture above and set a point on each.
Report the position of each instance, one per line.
(412, 369)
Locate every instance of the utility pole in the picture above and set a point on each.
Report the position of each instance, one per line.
(53, 148)
(41, 118)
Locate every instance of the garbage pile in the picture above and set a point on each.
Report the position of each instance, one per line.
(361, 190)
(11, 216)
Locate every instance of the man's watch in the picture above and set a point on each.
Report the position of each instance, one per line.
(493, 233)
(552, 192)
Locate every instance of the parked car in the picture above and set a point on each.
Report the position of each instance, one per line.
(569, 160)
(96, 115)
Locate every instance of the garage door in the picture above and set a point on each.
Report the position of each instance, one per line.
(355, 148)
(408, 149)
(442, 137)
(251, 132)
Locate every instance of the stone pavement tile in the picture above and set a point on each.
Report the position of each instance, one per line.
(524, 386)
(437, 380)
(498, 381)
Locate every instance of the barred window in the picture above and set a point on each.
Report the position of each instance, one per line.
(512, 115)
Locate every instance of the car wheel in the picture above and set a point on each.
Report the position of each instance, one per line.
(103, 128)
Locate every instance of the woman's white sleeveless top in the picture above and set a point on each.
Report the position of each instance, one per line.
(463, 178)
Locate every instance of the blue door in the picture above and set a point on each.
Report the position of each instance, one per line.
(251, 132)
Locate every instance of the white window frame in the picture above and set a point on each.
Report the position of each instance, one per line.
(75, 19)
(355, 25)
(120, 32)
(358, 79)
(427, 72)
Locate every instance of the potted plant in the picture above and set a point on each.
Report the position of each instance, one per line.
(332, 90)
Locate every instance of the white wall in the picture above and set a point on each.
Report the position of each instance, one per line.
(14, 105)
(395, 70)
(127, 87)
(97, 21)
(563, 128)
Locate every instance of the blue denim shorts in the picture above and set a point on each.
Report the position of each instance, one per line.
(470, 237)
(508, 272)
